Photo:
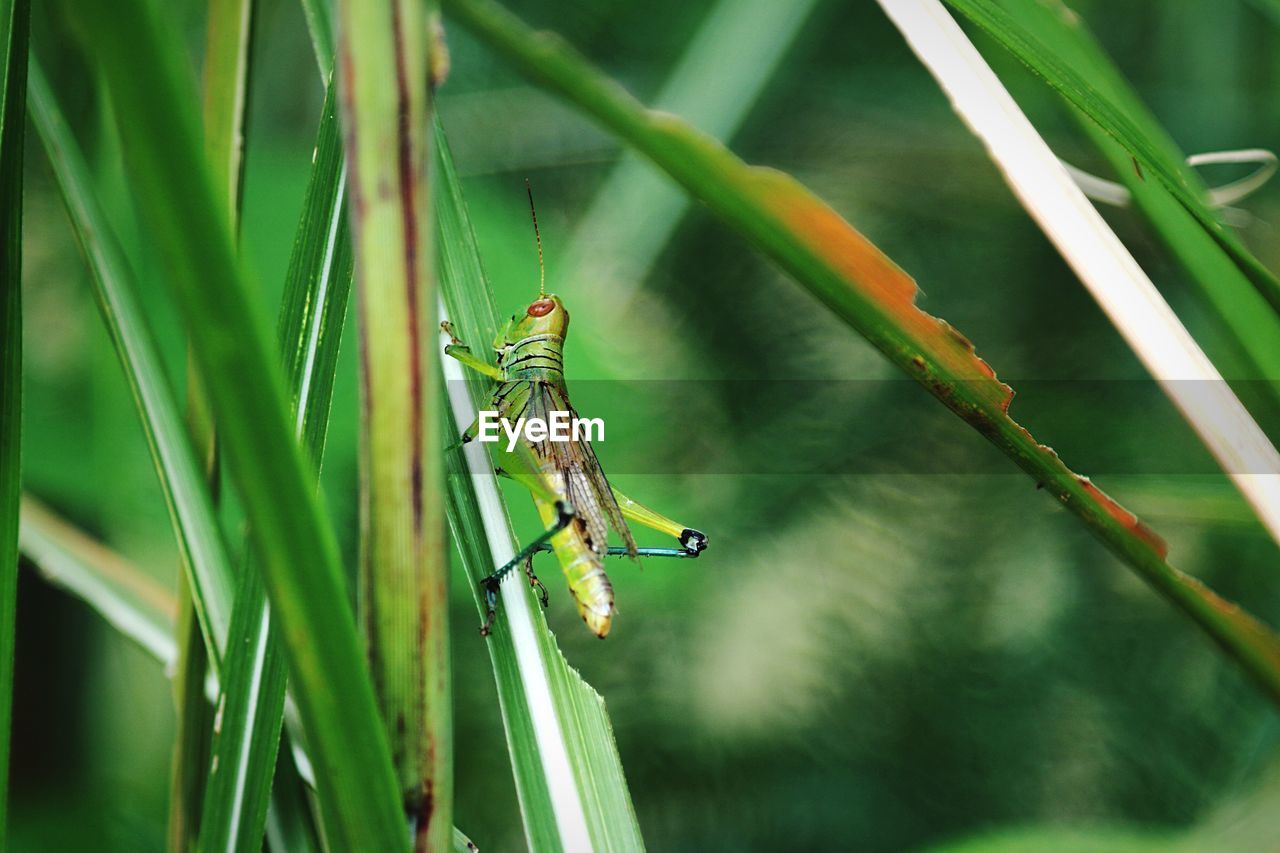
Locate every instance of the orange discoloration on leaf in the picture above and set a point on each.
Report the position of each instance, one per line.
(947, 358)
(863, 268)
(1124, 517)
(840, 267)
(852, 255)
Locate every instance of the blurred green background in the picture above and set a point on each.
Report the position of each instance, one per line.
(878, 661)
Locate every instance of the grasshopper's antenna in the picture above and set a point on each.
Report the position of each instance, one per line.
(542, 270)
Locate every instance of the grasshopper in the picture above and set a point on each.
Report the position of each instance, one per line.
(572, 494)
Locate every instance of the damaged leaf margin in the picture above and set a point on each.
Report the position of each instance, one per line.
(845, 271)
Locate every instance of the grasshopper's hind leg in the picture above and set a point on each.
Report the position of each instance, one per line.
(564, 515)
(692, 542)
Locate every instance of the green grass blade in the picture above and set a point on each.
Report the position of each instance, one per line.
(142, 610)
(572, 791)
(319, 15)
(193, 726)
(191, 509)
(250, 711)
(228, 44)
(1113, 118)
(317, 287)
(251, 708)
(864, 288)
(462, 844)
(714, 89)
(182, 478)
(289, 822)
(383, 62)
(1246, 317)
(14, 19)
(293, 542)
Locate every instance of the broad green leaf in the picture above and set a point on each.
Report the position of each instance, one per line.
(1150, 153)
(191, 511)
(293, 542)
(383, 64)
(849, 275)
(1246, 317)
(568, 776)
(309, 329)
(14, 18)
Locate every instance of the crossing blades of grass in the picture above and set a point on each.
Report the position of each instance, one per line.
(385, 103)
(293, 542)
(14, 16)
(1125, 129)
(251, 707)
(1101, 262)
(191, 511)
(849, 275)
(229, 26)
(1246, 317)
(572, 792)
(142, 611)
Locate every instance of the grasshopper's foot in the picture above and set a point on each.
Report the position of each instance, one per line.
(447, 328)
(693, 541)
(490, 586)
(535, 583)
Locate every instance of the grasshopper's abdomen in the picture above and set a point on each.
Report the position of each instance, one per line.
(584, 570)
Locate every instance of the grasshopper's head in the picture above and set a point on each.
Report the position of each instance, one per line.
(544, 316)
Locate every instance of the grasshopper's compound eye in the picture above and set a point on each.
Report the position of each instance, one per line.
(542, 308)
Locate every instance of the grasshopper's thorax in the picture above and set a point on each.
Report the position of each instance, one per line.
(532, 347)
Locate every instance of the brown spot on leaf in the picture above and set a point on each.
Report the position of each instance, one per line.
(1126, 518)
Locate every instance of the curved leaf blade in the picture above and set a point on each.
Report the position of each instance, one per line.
(251, 706)
(130, 601)
(1181, 182)
(14, 19)
(1246, 316)
(569, 780)
(849, 275)
(191, 510)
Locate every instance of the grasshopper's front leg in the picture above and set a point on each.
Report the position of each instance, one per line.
(457, 349)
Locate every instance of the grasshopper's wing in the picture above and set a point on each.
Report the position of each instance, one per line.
(587, 486)
(512, 400)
